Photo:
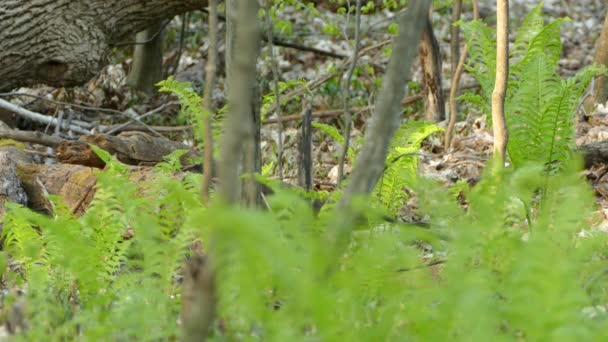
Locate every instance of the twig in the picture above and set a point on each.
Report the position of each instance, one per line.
(348, 118)
(449, 132)
(182, 36)
(305, 150)
(330, 113)
(277, 94)
(65, 104)
(39, 117)
(30, 137)
(455, 33)
(210, 70)
(430, 264)
(166, 129)
(295, 46)
(321, 80)
(113, 129)
(278, 42)
(84, 107)
(145, 41)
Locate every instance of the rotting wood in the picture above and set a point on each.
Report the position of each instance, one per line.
(133, 148)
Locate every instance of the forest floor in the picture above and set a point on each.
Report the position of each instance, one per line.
(473, 142)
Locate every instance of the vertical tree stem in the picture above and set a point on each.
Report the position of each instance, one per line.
(449, 132)
(385, 122)
(208, 110)
(500, 86)
(239, 126)
(277, 94)
(348, 117)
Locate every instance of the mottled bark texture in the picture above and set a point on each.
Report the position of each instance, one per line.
(239, 132)
(430, 59)
(600, 93)
(66, 42)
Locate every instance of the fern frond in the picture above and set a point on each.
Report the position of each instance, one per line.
(481, 43)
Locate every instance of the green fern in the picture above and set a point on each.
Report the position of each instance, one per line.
(401, 165)
(539, 106)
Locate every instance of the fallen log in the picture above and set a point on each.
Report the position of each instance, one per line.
(594, 153)
(132, 148)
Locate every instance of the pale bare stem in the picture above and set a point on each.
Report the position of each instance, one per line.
(208, 110)
(348, 117)
(500, 86)
(277, 94)
(449, 132)
(239, 124)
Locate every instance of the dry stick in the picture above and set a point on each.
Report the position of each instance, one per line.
(33, 137)
(294, 46)
(182, 36)
(331, 113)
(117, 128)
(321, 80)
(348, 117)
(455, 33)
(208, 110)
(500, 86)
(39, 117)
(305, 155)
(85, 107)
(449, 132)
(239, 124)
(384, 124)
(275, 74)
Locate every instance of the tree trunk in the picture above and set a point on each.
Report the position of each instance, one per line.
(600, 93)
(147, 66)
(430, 59)
(239, 132)
(385, 122)
(250, 157)
(66, 42)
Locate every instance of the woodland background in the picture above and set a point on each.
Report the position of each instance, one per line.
(242, 170)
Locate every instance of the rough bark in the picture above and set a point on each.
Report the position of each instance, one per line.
(600, 93)
(147, 66)
(74, 183)
(430, 59)
(133, 148)
(595, 153)
(66, 42)
(10, 187)
(239, 129)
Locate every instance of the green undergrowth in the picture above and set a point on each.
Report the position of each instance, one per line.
(513, 258)
(540, 106)
(516, 263)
